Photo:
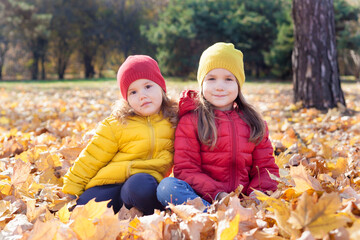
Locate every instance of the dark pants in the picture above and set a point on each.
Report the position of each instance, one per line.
(138, 191)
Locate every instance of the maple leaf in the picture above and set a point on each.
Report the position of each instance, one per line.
(64, 214)
(108, 226)
(17, 226)
(33, 212)
(21, 173)
(320, 217)
(91, 210)
(83, 227)
(44, 230)
(303, 181)
(152, 226)
(232, 230)
(282, 213)
(39, 130)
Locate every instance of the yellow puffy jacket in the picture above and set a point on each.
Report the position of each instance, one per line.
(118, 151)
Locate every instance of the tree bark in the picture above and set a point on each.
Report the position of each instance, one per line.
(89, 68)
(43, 73)
(316, 79)
(35, 66)
(3, 51)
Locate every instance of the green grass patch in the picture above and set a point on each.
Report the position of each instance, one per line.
(172, 82)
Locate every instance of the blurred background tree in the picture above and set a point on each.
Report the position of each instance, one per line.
(60, 39)
(316, 79)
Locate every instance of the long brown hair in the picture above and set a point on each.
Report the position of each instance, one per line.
(207, 130)
(169, 109)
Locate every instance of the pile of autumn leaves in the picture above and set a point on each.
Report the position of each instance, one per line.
(43, 130)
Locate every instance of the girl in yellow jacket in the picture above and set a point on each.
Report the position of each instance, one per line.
(132, 149)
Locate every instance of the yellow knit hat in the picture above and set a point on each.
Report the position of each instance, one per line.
(222, 55)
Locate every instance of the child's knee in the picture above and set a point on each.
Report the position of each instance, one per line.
(166, 184)
(164, 190)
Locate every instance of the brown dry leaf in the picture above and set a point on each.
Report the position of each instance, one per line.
(185, 212)
(40, 130)
(199, 226)
(70, 153)
(152, 226)
(282, 213)
(44, 230)
(318, 217)
(33, 212)
(303, 181)
(234, 210)
(340, 167)
(21, 173)
(107, 226)
(17, 226)
(354, 230)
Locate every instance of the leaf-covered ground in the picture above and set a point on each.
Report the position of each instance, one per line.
(42, 130)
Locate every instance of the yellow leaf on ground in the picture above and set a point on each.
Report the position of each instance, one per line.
(64, 214)
(4, 120)
(303, 181)
(319, 218)
(354, 231)
(21, 173)
(91, 210)
(340, 167)
(5, 187)
(33, 212)
(83, 227)
(232, 230)
(282, 213)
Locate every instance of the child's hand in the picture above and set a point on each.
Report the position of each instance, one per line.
(252, 196)
(221, 195)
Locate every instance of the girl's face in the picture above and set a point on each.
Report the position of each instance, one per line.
(220, 88)
(145, 97)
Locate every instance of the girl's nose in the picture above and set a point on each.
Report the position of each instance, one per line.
(219, 86)
(142, 95)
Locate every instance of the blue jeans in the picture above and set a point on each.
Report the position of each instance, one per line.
(138, 191)
(176, 191)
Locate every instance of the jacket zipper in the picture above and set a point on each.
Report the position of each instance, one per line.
(152, 138)
(234, 148)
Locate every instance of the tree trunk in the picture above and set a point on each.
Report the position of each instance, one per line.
(61, 66)
(89, 68)
(316, 80)
(35, 67)
(43, 74)
(2, 60)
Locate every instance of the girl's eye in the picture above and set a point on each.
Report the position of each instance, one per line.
(132, 93)
(211, 79)
(229, 79)
(148, 86)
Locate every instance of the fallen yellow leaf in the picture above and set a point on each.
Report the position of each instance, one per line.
(232, 230)
(319, 218)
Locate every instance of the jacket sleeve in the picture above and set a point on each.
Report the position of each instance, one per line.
(100, 150)
(263, 161)
(187, 160)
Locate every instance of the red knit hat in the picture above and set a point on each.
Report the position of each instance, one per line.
(138, 67)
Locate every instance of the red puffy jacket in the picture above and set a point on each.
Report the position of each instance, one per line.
(233, 161)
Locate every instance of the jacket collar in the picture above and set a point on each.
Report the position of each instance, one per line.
(154, 117)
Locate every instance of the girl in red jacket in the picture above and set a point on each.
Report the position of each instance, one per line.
(220, 141)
